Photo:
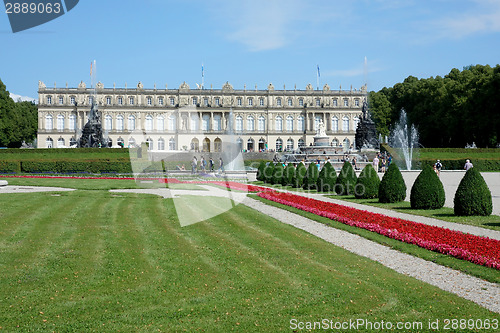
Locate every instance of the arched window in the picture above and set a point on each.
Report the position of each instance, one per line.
(250, 144)
(278, 101)
(356, 122)
(279, 124)
(206, 145)
(317, 120)
(289, 124)
(131, 122)
(195, 144)
(301, 124)
(239, 123)
(262, 124)
(49, 125)
(289, 144)
(60, 143)
(301, 143)
(149, 123)
(335, 124)
(72, 122)
(119, 122)
(161, 144)
(279, 145)
(346, 143)
(108, 122)
(335, 143)
(49, 143)
(262, 144)
(217, 123)
(171, 144)
(239, 142)
(172, 123)
(218, 145)
(60, 123)
(160, 123)
(131, 142)
(250, 123)
(150, 143)
(206, 122)
(72, 141)
(290, 102)
(345, 124)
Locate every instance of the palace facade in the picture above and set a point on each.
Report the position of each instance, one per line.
(201, 119)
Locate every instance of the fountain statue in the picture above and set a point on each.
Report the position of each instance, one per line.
(404, 138)
(366, 133)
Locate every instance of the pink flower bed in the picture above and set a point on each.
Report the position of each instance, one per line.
(479, 250)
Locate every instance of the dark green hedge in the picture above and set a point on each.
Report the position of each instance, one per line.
(90, 166)
(427, 191)
(9, 167)
(392, 188)
(473, 197)
(479, 164)
(367, 184)
(72, 151)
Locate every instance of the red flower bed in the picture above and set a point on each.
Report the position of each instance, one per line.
(479, 250)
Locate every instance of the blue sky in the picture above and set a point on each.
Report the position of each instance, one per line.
(251, 43)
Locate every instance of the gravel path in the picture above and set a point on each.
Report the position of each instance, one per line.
(474, 289)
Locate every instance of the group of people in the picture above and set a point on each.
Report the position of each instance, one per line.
(382, 161)
(438, 166)
(205, 166)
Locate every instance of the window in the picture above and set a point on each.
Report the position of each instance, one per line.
(160, 123)
(356, 102)
(217, 123)
(172, 101)
(301, 102)
(346, 102)
(72, 100)
(250, 101)
(149, 123)
(250, 144)
(301, 143)
(205, 101)
(72, 141)
(261, 102)
(72, 122)
(60, 143)
(278, 101)
(318, 102)
(120, 100)
(347, 143)
(150, 143)
(262, 124)
(217, 101)
(60, 123)
(131, 122)
(335, 102)
(161, 144)
(279, 124)
(289, 124)
(194, 122)
(218, 145)
(345, 124)
(279, 145)
(49, 100)
(119, 122)
(149, 101)
(171, 144)
(290, 102)
(61, 100)
(317, 120)
(195, 100)
(91, 100)
(206, 122)
(108, 122)
(289, 144)
(131, 101)
(131, 142)
(239, 123)
(250, 123)
(356, 122)
(239, 142)
(301, 124)
(160, 100)
(172, 126)
(239, 101)
(335, 124)
(335, 143)
(49, 143)
(108, 100)
(120, 142)
(48, 122)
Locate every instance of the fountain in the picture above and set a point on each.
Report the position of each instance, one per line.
(366, 133)
(405, 139)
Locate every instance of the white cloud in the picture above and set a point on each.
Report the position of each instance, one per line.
(18, 98)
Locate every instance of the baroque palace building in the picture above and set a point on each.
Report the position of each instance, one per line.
(201, 119)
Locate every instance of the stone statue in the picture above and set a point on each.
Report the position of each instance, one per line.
(321, 129)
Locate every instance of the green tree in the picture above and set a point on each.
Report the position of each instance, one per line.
(311, 177)
(268, 173)
(346, 180)
(260, 171)
(289, 175)
(327, 178)
(473, 197)
(392, 188)
(367, 184)
(278, 174)
(300, 172)
(427, 191)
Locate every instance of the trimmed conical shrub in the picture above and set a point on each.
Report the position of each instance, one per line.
(278, 174)
(289, 175)
(311, 177)
(268, 173)
(260, 171)
(367, 183)
(300, 172)
(473, 197)
(327, 178)
(427, 192)
(392, 187)
(346, 180)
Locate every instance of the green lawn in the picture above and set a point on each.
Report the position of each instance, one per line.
(94, 261)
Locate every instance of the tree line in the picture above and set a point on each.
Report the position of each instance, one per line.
(451, 111)
(18, 121)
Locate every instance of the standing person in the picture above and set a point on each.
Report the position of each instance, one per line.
(439, 166)
(354, 164)
(221, 165)
(203, 163)
(211, 164)
(375, 163)
(194, 165)
(468, 165)
(383, 163)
